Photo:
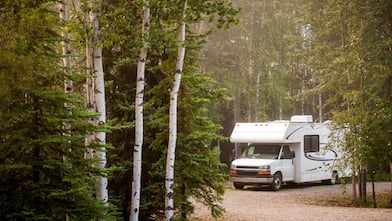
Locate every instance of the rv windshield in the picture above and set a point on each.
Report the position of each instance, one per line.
(262, 151)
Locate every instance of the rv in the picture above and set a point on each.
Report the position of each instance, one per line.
(284, 151)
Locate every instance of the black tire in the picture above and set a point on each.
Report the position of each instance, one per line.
(277, 182)
(238, 186)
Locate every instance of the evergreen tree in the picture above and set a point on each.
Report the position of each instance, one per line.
(44, 173)
(162, 45)
(199, 173)
(353, 53)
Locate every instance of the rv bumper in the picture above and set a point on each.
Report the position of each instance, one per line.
(252, 180)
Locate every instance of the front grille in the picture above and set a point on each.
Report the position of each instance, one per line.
(247, 167)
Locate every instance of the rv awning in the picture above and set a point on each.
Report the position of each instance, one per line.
(272, 132)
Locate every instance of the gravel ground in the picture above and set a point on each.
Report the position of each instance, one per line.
(295, 202)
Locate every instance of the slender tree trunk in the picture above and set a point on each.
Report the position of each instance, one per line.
(183, 212)
(236, 152)
(66, 48)
(364, 187)
(363, 165)
(237, 118)
(251, 62)
(95, 94)
(257, 97)
(66, 51)
(169, 181)
(390, 170)
(89, 85)
(99, 90)
(137, 150)
(68, 84)
(360, 183)
(320, 96)
(354, 187)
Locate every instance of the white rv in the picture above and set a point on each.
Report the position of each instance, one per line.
(283, 151)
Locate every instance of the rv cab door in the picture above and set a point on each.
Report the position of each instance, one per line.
(287, 162)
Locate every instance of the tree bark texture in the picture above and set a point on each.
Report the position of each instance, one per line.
(95, 94)
(169, 180)
(138, 147)
(99, 90)
(89, 85)
(68, 84)
(66, 48)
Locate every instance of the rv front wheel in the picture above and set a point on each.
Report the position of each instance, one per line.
(277, 182)
(238, 186)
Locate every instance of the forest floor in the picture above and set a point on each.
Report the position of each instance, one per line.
(312, 201)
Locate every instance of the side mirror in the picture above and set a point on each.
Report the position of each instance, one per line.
(292, 154)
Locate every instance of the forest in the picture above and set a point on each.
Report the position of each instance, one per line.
(122, 109)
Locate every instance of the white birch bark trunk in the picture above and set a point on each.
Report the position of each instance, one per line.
(68, 84)
(138, 147)
(89, 86)
(169, 181)
(99, 93)
(66, 51)
(66, 48)
(95, 94)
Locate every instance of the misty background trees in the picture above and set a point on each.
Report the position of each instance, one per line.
(328, 59)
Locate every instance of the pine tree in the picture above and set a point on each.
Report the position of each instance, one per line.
(122, 66)
(353, 72)
(199, 173)
(37, 182)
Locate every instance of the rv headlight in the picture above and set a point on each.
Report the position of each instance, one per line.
(264, 170)
(265, 167)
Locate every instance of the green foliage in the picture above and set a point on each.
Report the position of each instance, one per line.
(298, 53)
(264, 55)
(198, 169)
(45, 175)
(194, 143)
(355, 72)
(123, 21)
(302, 57)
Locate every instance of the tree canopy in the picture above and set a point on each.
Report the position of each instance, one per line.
(330, 59)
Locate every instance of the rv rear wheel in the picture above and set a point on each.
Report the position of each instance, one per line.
(238, 186)
(277, 182)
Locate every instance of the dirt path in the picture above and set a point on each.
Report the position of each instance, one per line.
(296, 202)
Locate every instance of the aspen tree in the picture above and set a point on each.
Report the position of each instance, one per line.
(99, 90)
(138, 147)
(46, 187)
(66, 50)
(169, 181)
(95, 93)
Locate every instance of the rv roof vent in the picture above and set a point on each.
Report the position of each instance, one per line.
(301, 119)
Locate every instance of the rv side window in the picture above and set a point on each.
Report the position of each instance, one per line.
(311, 143)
